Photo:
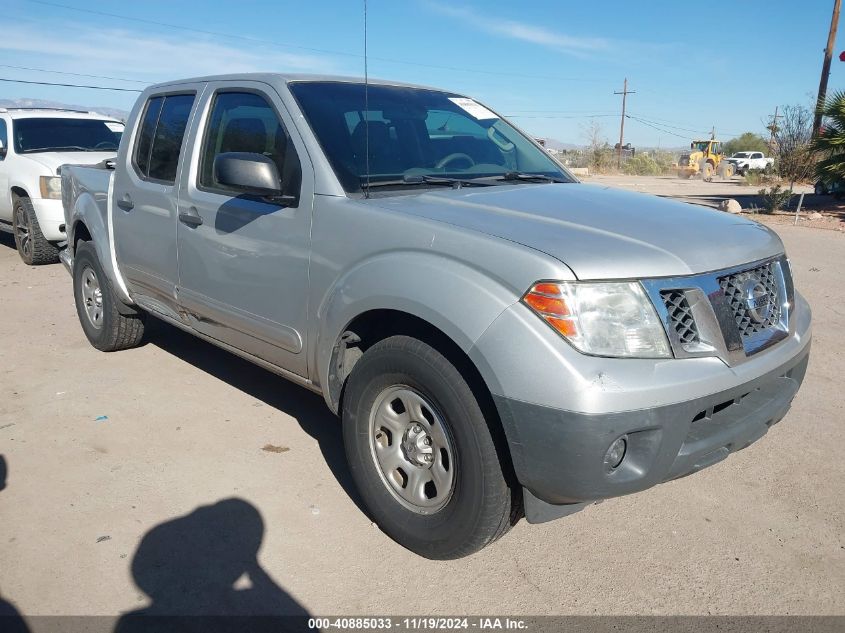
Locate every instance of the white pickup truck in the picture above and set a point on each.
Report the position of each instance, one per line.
(34, 142)
(745, 161)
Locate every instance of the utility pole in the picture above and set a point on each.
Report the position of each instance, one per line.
(828, 53)
(625, 92)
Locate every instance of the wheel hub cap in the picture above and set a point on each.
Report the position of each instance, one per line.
(412, 449)
(92, 297)
(416, 445)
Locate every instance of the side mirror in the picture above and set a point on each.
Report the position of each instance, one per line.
(252, 174)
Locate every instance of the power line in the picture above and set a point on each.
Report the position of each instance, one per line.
(574, 116)
(324, 51)
(683, 129)
(591, 111)
(673, 127)
(51, 83)
(67, 72)
(655, 127)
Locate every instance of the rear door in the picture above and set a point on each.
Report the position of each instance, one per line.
(145, 195)
(243, 259)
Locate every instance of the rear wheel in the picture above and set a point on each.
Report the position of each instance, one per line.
(32, 246)
(421, 452)
(108, 324)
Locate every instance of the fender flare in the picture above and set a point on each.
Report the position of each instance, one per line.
(86, 212)
(432, 287)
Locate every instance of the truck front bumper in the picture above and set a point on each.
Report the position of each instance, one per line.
(51, 216)
(562, 453)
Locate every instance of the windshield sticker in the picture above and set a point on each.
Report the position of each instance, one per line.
(114, 127)
(472, 108)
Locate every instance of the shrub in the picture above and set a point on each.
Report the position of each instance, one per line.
(774, 199)
(757, 177)
(642, 165)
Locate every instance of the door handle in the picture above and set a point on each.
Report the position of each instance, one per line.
(191, 217)
(126, 203)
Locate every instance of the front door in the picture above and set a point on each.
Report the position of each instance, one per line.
(243, 259)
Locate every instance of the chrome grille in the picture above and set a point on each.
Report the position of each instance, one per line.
(680, 316)
(732, 313)
(736, 288)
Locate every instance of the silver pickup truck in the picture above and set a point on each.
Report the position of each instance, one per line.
(497, 338)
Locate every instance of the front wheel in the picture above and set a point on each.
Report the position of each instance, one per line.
(421, 452)
(108, 324)
(32, 246)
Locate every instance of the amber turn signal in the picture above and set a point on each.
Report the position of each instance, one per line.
(548, 302)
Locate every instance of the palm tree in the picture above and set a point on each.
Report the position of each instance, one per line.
(830, 143)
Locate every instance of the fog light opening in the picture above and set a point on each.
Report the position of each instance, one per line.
(616, 453)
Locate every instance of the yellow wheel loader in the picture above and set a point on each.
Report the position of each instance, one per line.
(705, 159)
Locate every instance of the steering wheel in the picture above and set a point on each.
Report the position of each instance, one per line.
(453, 157)
(103, 143)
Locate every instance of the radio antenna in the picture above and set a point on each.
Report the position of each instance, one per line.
(366, 108)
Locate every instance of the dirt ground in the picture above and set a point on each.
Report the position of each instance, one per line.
(825, 212)
(148, 478)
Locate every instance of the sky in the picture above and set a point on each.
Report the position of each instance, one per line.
(552, 66)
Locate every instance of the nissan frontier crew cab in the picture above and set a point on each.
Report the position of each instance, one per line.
(497, 338)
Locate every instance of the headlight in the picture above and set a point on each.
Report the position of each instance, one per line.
(51, 187)
(601, 318)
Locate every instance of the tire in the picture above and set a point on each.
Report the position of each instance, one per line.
(819, 189)
(707, 172)
(420, 391)
(32, 246)
(107, 327)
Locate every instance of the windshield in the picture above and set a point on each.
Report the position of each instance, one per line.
(701, 146)
(740, 155)
(416, 136)
(66, 135)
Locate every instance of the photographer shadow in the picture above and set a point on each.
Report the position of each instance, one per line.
(201, 573)
(10, 619)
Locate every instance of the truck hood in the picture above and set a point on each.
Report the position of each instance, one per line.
(53, 160)
(599, 232)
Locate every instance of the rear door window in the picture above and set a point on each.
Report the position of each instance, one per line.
(160, 138)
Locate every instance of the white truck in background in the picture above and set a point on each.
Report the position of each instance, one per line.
(34, 142)
(746, 161)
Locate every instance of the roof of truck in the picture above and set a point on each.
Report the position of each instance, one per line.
(288, 78)
(54, 113)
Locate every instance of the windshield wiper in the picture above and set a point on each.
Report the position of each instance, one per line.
(61, 148)
(528, 177)
(445, 180)
(425, 179)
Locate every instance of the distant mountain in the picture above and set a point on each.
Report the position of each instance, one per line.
(42, 103)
